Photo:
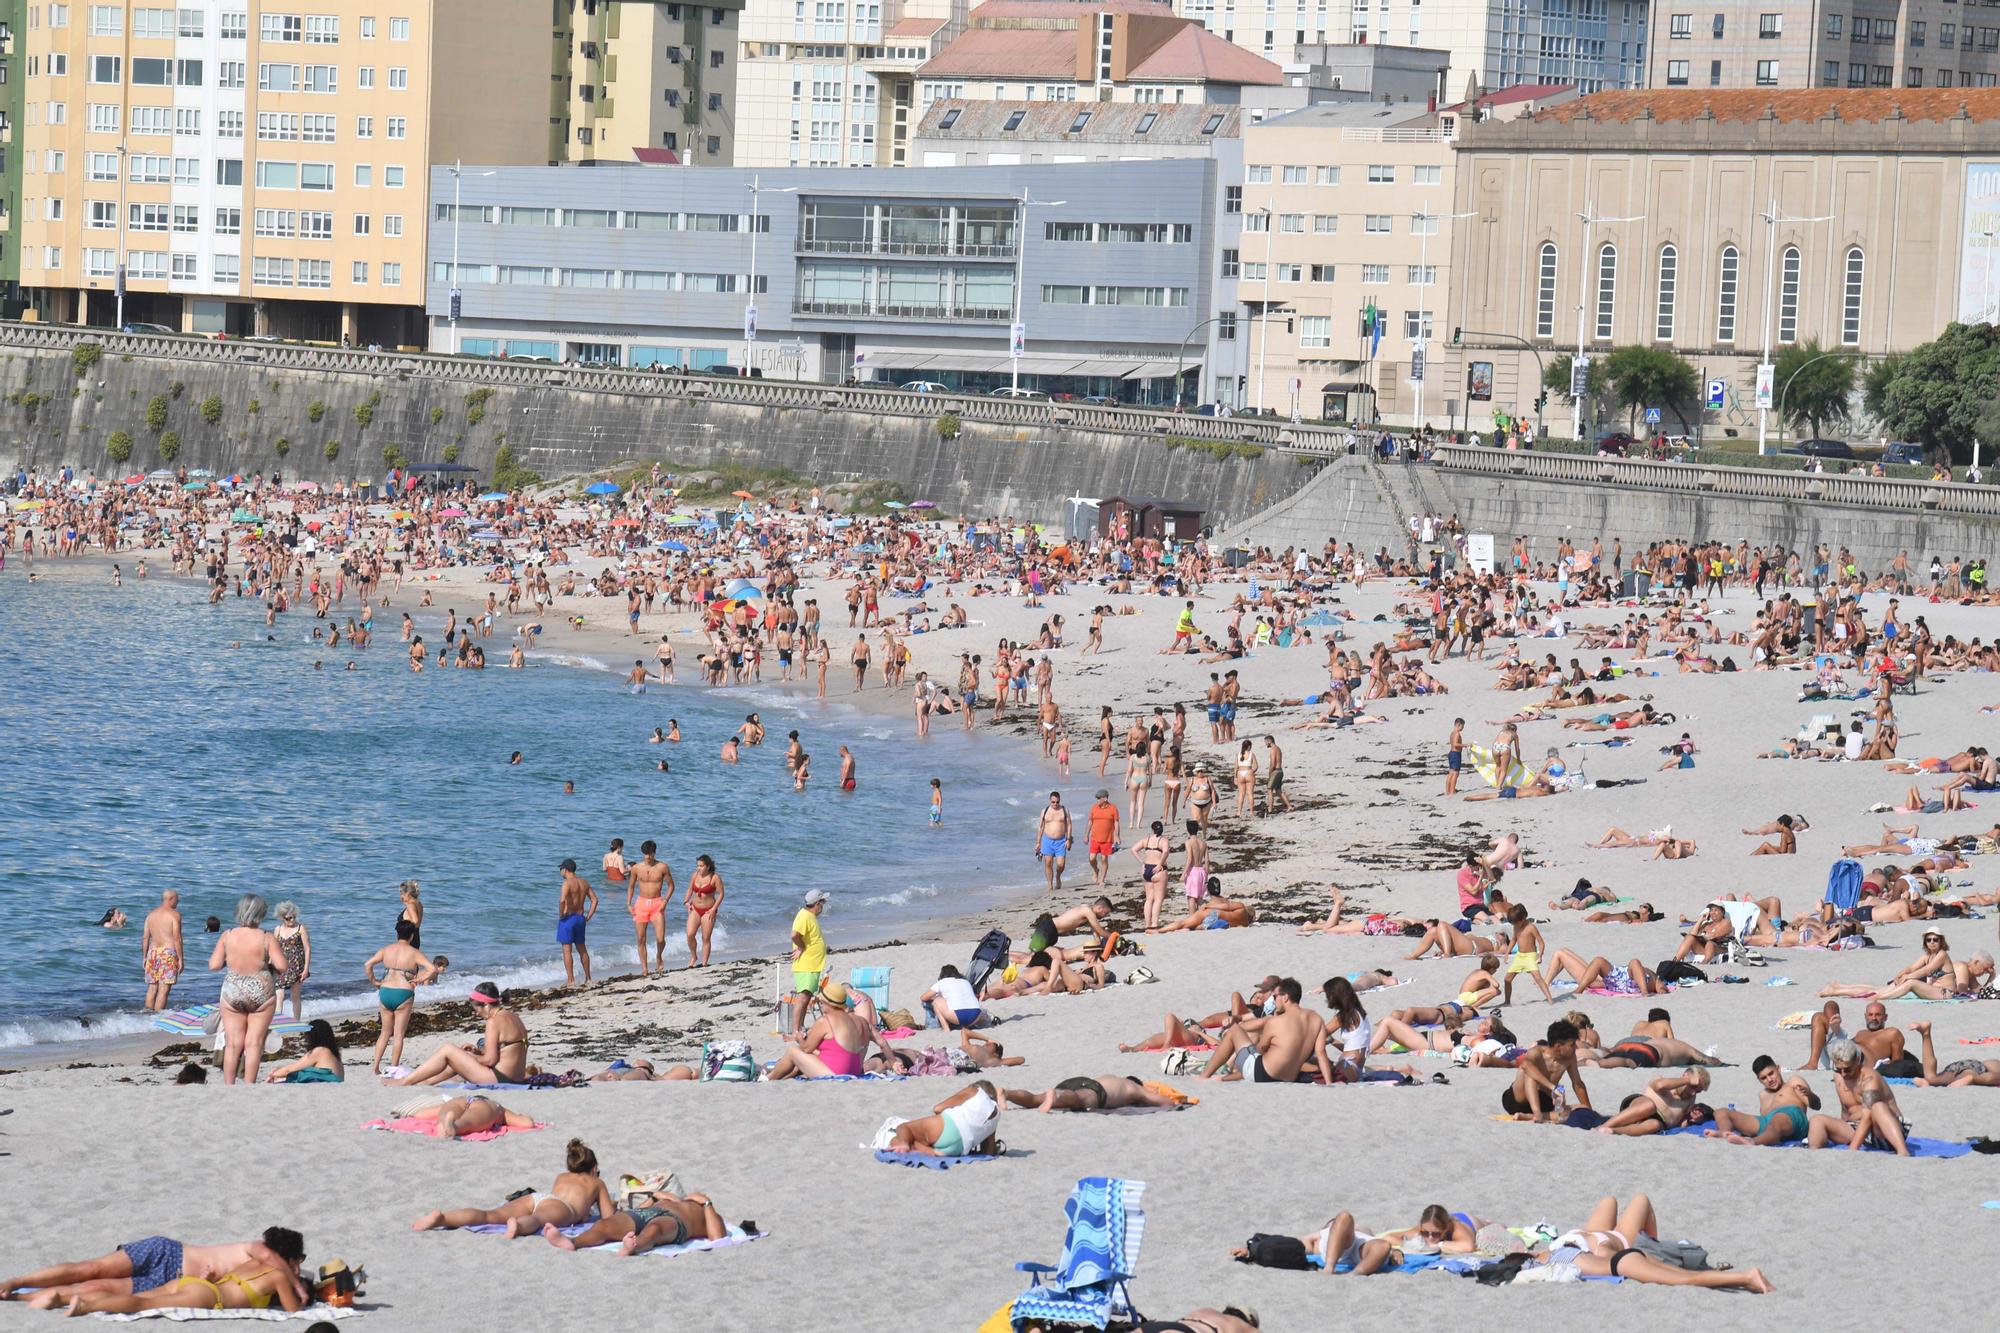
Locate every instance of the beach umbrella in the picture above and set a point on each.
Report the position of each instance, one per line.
(194, 485)
(403, 516)
(24, 505)
(486, 537)
(680, 547)
(1484, 765)
(244, 516)
(492, 495)
(161, 474)
(135, 479)
(201, 472)
(625, 521)
(303, 486)
(744, 590)
(743, 495)
(924, 504)
(894, 504)
(682, 521)
(602, 488)
(453, 512)
(841, 523)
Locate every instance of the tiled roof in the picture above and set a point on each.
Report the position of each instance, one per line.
(1111, 122)
(1196, 54)
(1790, 104)
(916, 28)
(1007, 53)
(1520, 92)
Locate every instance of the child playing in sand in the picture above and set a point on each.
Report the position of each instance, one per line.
(1526, 956)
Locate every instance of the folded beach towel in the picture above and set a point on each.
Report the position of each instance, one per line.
(412, 1125)
(321, 1311)
(929, 1160)
(737, 1236)
(1979, 1041)
(514, 1087)
(1793, 1022)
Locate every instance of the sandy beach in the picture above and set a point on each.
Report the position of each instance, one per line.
(856, 1244)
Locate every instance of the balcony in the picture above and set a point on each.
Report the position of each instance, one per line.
(933, 249)
(1362, 135)
(864, 310)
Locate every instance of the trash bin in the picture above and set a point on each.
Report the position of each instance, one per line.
(1638, 584)
(1236, 557)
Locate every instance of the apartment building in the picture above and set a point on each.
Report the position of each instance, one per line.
(836, 87)
(11, 12)
(1090, 51)
(1858, 44)
(1730, 221)
(644, 80)
(830, 273)
(1590, 44)
(244, 167)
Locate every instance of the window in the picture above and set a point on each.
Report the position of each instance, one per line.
(1423, 224)
(102, 215)
(276, 78)
(105, 69)
(187, 120)
(368, 30)
(1913, 77)
(277, 125)
(1663, 313)
(1213, 123)
(1677, 73)
(281, 222)
(1288, 273)
(57, 113)
(318, 128)
(1231, 262)
(1257, 175)
(1374, 273)
(322, 29)
(100, 263)
(228, 222)
(1607, 288)
(1326, 175)
(103, 118)
(1232, 198)
(315, 273)
(1326, 224)
(392, 275)
(1378, 223)
(322, 78)
(1316, 331)
(1293, 175)
(399, 127)
(1381, 175)
(362, 175)
(235, 27)
(153, 23)
(1830, 74)
(392, 224)
(187, 218)
(316, 226)
(186, 268)
(1292, 222)
(1725, 297)
(365, 76)
(399, 77)
(1429, 175)
(267, 272)
(229, 124)
(1770, 27)
(57, 67)
(150, 168)
(358, 273)
(280, 27)
(319, 175)
(231, 73)
(1545, 293)
(1680, 27)
(399, 30)
(1416, 324)
(107, 21)
(1767, 74)
(1257, 222)
(1850, 301)
(147, 217)
(1225, 326)
(1014, 120)
(1833, 25)
(1718, 28)
(1322, 272)
(1918, 31)
(392, 178)
(1788, 296)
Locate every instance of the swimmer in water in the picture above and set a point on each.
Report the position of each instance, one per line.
(729, 751)
(569, 788)
(674, 730)
(657, 737)
(514, 758)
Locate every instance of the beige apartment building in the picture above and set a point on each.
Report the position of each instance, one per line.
(1348, 208)
(645, 81)
(1832, 44)
(1868, 219)
(254, 167)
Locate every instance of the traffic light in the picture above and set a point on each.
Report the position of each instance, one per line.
(1541, 400)
(1457, 336)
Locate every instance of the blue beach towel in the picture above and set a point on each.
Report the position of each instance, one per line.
(928, 1160)
(1100, 1252)
(1939, 1148)
(1843, 885)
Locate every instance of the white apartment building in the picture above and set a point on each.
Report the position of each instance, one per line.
(1592, 44)
(830, 83)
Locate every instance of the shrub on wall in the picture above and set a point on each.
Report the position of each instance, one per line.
(211, 409)
(119, 446)
(170, 446)
(156, 413)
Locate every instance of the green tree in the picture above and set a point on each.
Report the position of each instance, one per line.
(1938, 391)
(1556, 379)
(1643, 377)
(1875, 383)
(1813, 385)
(509, 475)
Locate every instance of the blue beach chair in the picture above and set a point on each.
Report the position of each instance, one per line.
(1087, 1286)
(872, 982)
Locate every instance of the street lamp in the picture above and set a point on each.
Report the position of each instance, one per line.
(1771, 221)
(750, 297)
(1180, 364)
(1584, 284)
(457, 170)
(118, 319)
(1425, 222)
(1017, 334)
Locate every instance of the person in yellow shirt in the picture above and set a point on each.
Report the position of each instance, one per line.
(808, 956)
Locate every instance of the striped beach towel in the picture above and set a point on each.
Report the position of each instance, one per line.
(1100, 1254)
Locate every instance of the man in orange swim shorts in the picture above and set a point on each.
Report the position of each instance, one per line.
(648, 889)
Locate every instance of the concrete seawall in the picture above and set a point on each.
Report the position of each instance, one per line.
(270, 419)
(1353, 500)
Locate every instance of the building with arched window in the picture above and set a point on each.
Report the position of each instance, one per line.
(1720, 222)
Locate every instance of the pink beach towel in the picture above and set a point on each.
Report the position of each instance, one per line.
(414, 1125)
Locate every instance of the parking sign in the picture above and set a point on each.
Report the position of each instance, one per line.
(1716, 390)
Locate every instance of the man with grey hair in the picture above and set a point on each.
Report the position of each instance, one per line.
(160, 947)
(1869, 1116)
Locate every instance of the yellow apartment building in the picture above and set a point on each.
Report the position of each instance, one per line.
(260, 168)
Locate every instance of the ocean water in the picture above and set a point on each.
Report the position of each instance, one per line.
(140, 751)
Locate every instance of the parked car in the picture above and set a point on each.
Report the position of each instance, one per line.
(1902, 451)
(923, 386)
(732, 372)
(1617, 443)
(1007, 391)
(1100, 400)
(136, 327)
(1820, 449)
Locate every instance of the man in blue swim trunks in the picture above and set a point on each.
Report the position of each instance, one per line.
(574, 908)
(1783, 1107)
(1054, 837)
(141, 1266)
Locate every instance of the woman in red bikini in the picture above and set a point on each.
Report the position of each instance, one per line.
(704, 896)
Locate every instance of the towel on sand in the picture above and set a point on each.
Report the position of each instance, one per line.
(412, 1125)
(321, 1311)
(737, 1236)
(1918, 1147)
(930, 1161)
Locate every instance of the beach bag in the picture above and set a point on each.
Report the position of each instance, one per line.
(646, 1184)
(989, 957)
(727, 1062)
(1684, 1254)
(1903, 1066)
(1180, 1060)
(1268, 1251)
(1672, 969)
